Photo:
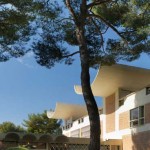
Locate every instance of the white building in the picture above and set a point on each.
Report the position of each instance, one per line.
(125, 116)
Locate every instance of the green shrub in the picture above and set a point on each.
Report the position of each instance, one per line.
(17, 148)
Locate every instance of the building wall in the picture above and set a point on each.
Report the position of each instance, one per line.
(139, 141)
(122, 114)
(81, 129)
(101, 126)
(124, 120)
(110, 113)
(147, 113)
(115, 122)
(134, 100)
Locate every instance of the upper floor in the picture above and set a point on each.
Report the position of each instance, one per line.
(126, 104)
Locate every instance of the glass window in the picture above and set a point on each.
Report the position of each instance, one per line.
(121, 102)
(80, 120)
(137, 116)
(141, 111)
(147, 90)
(134, 114)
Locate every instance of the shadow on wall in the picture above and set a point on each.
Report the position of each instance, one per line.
(141, 133)
(141, 141)
(14, 139)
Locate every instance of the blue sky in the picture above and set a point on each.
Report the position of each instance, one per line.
(26, 87)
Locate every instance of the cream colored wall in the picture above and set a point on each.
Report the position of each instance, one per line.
(133, 100)
(77, 126)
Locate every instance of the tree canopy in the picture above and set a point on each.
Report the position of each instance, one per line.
(84, 24)
(10, 127)
(40, 123)
(127, 20)
(14, 28)
(17, 28)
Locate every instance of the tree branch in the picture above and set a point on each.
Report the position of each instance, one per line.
(98, 30)
(69, 55)
(71, 10)
(108, 24)
(57, 21)
(105, 30)
(3, 3)
(95, 3)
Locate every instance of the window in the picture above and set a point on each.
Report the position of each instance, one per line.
(147, 90)
(67, 126)
(121, 102)
(80, 120)
(137, 116)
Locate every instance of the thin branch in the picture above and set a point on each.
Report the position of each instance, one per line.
(95, 3)
(57, 21)
(71, 10)
(3, 3)
(69, 55)
(108, 24)
(105, 30)
(98, 30)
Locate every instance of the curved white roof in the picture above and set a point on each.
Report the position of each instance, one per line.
(110, 78)
(66, 111)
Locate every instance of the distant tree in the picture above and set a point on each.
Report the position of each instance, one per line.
(40, 123)
(10, 127)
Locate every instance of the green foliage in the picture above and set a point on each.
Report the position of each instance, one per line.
(18, 24)
(17, 148)
(127, 20)
(10, 127)
(17, 28)
(40, 123)
(132, 19)
(14, 28)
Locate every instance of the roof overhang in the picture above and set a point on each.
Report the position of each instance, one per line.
(110, 78)
(66, 111)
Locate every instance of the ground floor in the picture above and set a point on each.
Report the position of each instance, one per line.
(134, 141)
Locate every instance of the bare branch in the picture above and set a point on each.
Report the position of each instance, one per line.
(95, 3)
(57, 21)
(69, 55)
(71, 10)
(108, 24)
(105, 30)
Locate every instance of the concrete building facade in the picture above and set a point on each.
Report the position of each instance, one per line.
(125, 115)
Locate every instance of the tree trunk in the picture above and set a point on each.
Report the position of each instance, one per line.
(87, 92)
(92, 108)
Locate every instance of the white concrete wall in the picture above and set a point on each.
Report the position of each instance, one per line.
(133, 100)
(76, 125)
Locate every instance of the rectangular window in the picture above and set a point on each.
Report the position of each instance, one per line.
(137, 116)
(121, 102)
(80, 120)
(147, 90)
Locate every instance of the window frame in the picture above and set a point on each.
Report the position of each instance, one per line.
(81, 120)
(139, 119)
(147, 90)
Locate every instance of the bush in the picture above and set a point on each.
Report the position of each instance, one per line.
(17, 148)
